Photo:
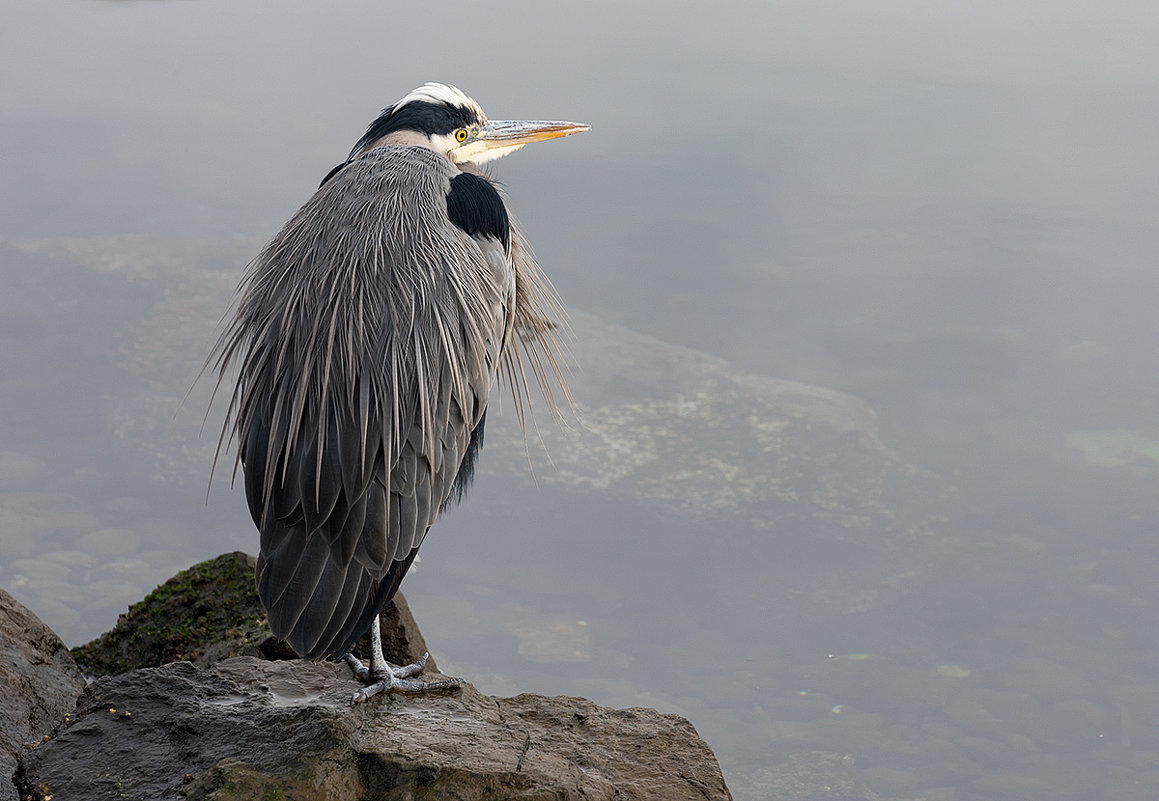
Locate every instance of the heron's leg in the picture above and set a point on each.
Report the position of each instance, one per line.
(381, 676)
(378, 665)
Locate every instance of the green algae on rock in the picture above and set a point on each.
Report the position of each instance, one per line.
(200, 615)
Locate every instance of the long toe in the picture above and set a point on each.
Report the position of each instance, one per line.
(409, 686)
(413, 669)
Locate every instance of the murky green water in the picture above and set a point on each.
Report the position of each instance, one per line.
(924, 571)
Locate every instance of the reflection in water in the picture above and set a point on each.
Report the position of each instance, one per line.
(947, 212)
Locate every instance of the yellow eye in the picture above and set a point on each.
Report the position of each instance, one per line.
(461, 135)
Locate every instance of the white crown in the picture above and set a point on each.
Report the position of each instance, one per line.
(442, 93)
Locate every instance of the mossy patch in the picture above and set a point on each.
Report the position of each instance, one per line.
(202, 614)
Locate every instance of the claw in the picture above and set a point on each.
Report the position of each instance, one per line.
(414, 668)
(361, 671)
(369, 691)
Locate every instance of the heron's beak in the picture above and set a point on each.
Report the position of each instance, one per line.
(506, 133)
(500, 137)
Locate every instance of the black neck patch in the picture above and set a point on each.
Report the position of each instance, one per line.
(474, 205)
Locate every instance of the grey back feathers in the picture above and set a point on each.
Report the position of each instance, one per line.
(368, 335)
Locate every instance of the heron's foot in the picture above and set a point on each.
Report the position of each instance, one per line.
(396, 678)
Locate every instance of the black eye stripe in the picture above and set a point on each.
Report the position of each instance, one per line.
(428, 118)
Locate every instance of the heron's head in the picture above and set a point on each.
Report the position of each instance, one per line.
(441, 117)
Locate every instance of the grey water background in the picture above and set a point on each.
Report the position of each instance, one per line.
(946, 210)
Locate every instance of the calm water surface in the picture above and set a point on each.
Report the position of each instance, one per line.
(947, 210)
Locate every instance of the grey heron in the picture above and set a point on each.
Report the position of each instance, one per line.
(367, 336)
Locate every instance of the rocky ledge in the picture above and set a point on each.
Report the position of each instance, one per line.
(232, 720)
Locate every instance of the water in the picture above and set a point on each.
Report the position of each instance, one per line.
(946, 211)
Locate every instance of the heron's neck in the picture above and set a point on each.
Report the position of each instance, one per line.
(403, 137)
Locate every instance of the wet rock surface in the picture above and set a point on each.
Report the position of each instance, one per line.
(238, 722)
(39, 684)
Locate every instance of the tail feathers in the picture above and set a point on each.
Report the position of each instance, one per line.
(319, 606)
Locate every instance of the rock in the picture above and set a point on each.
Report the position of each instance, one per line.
(236, 720)
(210, 612)
(39, 684)
(249, 728)
(201, 615)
